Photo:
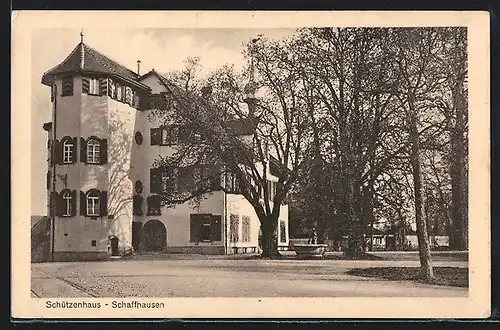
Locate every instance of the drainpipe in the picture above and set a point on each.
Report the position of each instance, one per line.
(53, 163)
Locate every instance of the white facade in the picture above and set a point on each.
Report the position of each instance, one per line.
(122, 173)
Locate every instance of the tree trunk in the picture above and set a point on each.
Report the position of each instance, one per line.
(459, 230)
(422, 235)
(269, 237)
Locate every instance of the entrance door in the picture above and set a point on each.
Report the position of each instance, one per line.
(154, 236)
(114, 246)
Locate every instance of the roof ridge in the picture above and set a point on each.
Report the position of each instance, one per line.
(109, 58)
(65, 60)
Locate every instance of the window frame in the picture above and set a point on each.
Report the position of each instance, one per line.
(205, 228)
(94, 83)
(67, 144)
(96, 206)
(93, 142)
(67, 201)
(166, 135)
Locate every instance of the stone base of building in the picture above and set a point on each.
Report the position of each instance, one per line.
(80, 256)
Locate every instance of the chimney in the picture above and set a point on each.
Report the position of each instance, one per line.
(139, 67)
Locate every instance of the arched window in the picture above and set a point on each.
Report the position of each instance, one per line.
(68, 151)
(93, 205)
(67, 205)
(93, 146)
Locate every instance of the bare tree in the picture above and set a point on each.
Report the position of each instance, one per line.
(236, 147)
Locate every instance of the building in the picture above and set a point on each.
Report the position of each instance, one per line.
(102, 177)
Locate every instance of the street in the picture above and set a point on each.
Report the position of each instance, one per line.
(225, 277)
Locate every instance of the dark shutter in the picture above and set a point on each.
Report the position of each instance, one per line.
(85, 85)
(155, 136)
(67, 86)
(216, 228)
(83, 203)
(57, 152)
(195, 223)
(74, 150)
(48, 180)
(155, 180)
(103, 86)
(103, 203)
(183, 134)
(73, 203)
(103, 151)
(59, 205)
(83, 150)
(54, 198)
(137, 205)
(124, 94)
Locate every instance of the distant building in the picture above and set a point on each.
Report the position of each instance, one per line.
(105, 187)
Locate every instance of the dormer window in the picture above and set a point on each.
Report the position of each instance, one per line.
(93, 147)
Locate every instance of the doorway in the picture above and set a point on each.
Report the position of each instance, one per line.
(154, 236)
(114, 246)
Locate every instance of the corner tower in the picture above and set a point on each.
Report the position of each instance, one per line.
(94, 105)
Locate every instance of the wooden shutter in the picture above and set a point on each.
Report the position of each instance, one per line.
(83, 150)
(183, 134)
(155, 136)
(85, 85)
(216, 228)
(155, 180)
(73, 202)
(54, 201)
(103, 86)
(103, 203)
(103, 151)
(48, 180)
(195, 223)
(67, 86)
(83, 203)
(57, 152)
(59, 205)
(124, 94)
(74, 150)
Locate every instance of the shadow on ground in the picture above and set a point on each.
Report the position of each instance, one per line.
(449, 276)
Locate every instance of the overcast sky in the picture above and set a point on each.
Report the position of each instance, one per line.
(161, 49)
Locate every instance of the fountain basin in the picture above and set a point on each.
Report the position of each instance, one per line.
(309, 250)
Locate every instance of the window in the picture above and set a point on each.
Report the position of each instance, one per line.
(205, 232)
(138, 138)
(93, 243)
(118, 92)
(128, 96)
(93, 146)
(169, 181)
(169, 135)
(112, 89)
(66, 196)
(245, 229)
(233, 227)
(94, 86)
(93, 205)
(67, 151)
(205, 228)
(154, 205)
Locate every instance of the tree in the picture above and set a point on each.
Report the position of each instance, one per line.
(259, 149)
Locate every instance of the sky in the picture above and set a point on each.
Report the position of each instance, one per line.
(162, 49)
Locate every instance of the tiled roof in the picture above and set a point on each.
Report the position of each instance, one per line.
(93, 61)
